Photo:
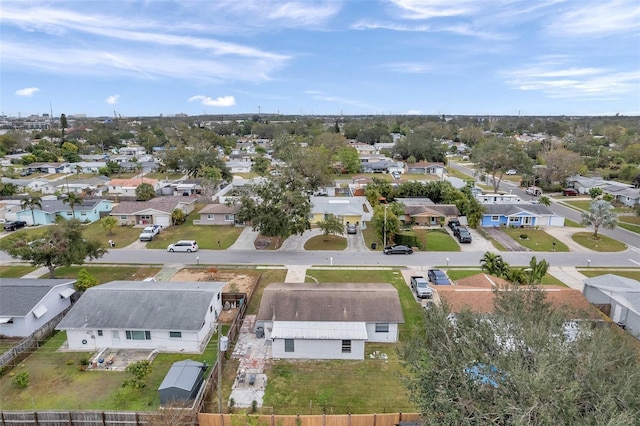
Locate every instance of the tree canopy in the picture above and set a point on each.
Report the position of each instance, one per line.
(61, 244)
(521, 365)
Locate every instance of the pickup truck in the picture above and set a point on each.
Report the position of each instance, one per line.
(420, 286)
(534, 190)
(149, 233)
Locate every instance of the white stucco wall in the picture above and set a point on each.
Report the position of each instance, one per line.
(318, 349)
(25, 326)
(382, 337)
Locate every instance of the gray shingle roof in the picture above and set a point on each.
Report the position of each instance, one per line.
(513, 209)
(182, 375)
(144, 305)
(367, 302)
(18, 296)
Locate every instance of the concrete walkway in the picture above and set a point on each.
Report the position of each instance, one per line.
(296, 273)
(37, 273)
(569, 276)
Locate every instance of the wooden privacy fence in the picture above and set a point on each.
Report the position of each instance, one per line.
(389, 419)
(103, 418)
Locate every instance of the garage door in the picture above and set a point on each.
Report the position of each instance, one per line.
(162, 221)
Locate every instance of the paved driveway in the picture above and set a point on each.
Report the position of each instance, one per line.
(507, 242)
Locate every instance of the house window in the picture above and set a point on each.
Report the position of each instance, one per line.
(100, 333)
(228, 218)
(211, 217)
(176, 334)
(346, 346)
(145, 217)
(514, 219)
(83, 214)
(495, 218)
(123, 217)
(138, 335)
(382, 327)
(288, 345)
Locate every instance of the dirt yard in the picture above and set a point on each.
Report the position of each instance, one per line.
(237, 282)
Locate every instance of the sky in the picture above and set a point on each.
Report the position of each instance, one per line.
(352, 57)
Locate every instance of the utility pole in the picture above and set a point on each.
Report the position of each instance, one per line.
(384, 227)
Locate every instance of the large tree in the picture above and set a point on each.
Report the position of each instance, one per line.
(520, 366)
(497, 155)
(278, 207)
(61, 244)
(145, 192)
(559, 165)
(600, 214)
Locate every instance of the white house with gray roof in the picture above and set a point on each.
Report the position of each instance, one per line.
(328, 321)
(167, 316)
(28, 304)
(520, 214)
(621, 297)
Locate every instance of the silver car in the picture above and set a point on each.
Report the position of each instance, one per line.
(183, 245)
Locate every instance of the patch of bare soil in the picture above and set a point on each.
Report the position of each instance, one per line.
(236, 283)
(267, 243)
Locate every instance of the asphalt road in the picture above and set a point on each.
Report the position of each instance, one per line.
(418, 260)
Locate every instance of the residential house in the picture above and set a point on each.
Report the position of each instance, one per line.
(27, 185)
(363, 148)
(127, 187)
(521, 214)
(28, 304)
(426, 168)
(88, 167)
(239, 166)
(92, 186)
(328, 321)
(383, 166)
(219, 214)
(132, 150)
(618, 297)
(623, 194)
(50, 168)
(583, 184)
(348, 209)
(87, 211)
(424, 212)
(166, 316)
(498, 198)
(156, 211)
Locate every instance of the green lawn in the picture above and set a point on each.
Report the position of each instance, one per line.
(437, 240)
(580, 204)
(630, 223)
(57, 384)
(537, 240)
(121, 235)
(163, 176)
(370, 237)
(572, 224)
(326, 242)
(346, 386)
(15, 271)
(634, 274)
(456, 274)
(603, 243)
(109, 273)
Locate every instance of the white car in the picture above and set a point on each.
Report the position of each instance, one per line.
(149, 233)
(511, 172)
(183, 245)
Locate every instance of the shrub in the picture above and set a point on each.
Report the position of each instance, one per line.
(85, 280)
(21, 379)
(524, 237)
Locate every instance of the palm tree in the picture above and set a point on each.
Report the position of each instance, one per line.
(600, 214)
(545, 201)
(73, 200)
(494, 264)
(31, 203)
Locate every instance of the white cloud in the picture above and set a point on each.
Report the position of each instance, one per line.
(409, 68)
(558, 81)
(413, 112)
(222, 101)
(113, 99)
(598, 19)
(27, 91)
(427, 9)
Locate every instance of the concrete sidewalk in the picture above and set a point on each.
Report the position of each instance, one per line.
(569, 276)
(246, 240)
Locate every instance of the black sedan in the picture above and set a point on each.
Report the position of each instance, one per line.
(397, 250)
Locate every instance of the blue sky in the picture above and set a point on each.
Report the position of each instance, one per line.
(533, 57)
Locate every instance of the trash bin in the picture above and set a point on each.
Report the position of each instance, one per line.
(373, 246)
(260, 332)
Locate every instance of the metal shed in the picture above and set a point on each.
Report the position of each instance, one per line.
(182, 382)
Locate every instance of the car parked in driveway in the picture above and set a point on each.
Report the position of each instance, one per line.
(464, 236)
(149, 233)
(570, 192)
(183, 245)
(352, 229)
(438, 277)
(453, 223)
(511, 172)
(398, 249)
(421, 287)
(15, 224)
